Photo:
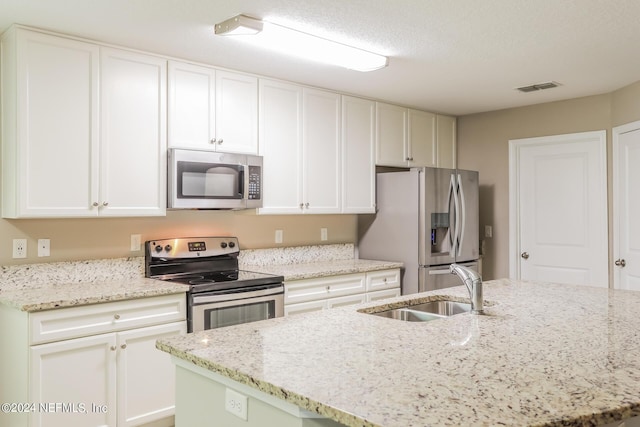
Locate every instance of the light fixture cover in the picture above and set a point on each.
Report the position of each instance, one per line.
(239, 25)
(292, 42)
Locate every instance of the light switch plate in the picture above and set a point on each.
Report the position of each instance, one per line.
(44, 247)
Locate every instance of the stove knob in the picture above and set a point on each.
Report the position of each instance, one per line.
(232, 245)
(168, 248)
(158, 248)
(223, 245)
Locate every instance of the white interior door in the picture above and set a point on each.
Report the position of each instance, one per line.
(558, 204)
(626, 200)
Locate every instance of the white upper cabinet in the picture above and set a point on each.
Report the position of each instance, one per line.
(133, 136)
(281, 146)
(421, 141)
(412, 138)
(321, 151)
(301, 148)
(56, 162)
(391, 135)
(212, 109)
(358, 155)
(50, 125)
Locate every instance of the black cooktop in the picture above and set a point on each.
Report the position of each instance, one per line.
(203, 263)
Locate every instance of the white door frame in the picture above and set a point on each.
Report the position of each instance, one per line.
(617, 131)
(515, 146)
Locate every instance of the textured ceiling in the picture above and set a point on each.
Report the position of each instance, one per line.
(451, 56)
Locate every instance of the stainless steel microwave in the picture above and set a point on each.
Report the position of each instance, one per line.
(200, 179)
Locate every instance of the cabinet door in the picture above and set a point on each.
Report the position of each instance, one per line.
(321, 151)
(236, 112)
(191, 106)
(281, 146)
(446, 137)
(391, 135)
(133, 134)
(146, 375)
(80, 373)
(50, 134)
(422, 139)
(358, 155)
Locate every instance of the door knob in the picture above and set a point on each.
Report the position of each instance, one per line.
(620, 262)
(525, 255)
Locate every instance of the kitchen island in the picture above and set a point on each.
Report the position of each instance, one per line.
(542, 355)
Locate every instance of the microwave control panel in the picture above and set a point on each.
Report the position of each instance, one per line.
(255, 185)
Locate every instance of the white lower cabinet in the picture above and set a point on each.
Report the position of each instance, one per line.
(307, 295)
(97, 365)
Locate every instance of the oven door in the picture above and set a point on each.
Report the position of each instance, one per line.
(207, 180)
(212, 310)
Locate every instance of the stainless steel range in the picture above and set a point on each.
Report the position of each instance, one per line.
(219, 293)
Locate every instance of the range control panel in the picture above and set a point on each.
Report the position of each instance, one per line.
(192, 247)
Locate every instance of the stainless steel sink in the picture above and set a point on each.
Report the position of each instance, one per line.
(426, 311)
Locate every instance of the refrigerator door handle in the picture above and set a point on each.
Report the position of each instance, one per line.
(462, 215)
(437, 272)
(452, 230)
(456, 204)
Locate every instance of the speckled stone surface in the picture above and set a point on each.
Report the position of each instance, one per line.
(543, 355)
(36, 287)
(296, 254)
(307, 262)
(311, 270)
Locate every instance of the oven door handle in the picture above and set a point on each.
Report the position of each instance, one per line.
(222, 297)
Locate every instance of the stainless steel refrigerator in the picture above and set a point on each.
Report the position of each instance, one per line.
(427, 218)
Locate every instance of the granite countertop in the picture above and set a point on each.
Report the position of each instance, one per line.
(38, 287)
(311, 270)
(543, 355)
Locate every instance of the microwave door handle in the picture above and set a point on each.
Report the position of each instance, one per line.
(245, 182)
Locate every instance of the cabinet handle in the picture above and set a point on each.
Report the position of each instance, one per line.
(96, 204)
(409, 159)
(116, 316)
(221, 141)
(384, 280)
(213, 141)
(306, 205)
(105, 203)
(123, 346)
(328, 288)
(112, 348)
(301, 205)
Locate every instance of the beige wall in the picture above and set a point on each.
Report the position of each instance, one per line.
(483, 145)
(80, 239)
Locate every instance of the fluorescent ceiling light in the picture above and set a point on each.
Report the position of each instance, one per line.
(296, 43)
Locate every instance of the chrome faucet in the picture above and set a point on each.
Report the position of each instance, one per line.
(473, 282)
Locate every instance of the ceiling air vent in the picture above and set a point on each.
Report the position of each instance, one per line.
(539, 86)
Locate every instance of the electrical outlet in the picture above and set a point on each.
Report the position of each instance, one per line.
(279, 236)
(323, 234)
(44, 247)
(235, 403)
(135, 243)
(19, 248)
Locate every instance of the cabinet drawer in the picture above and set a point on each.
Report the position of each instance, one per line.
(347, 300)
(65, 323)
(383, 279)
(384, 294)
(325, 287)
(305, 307)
